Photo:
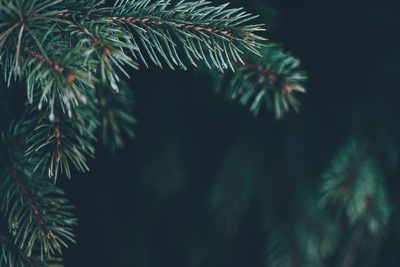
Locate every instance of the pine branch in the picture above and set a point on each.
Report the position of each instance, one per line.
(59, 140)
(57, 73)
(352, 191)
(37, 214)
(65, 48)
(358, 234)
(105, 48)
(212, 34)
(117, 118)
(30, 203)
(11, 255)
(309, 239)
(284, 250)
(352, 178)
(317, 234)
(20, 256)
(272, 79)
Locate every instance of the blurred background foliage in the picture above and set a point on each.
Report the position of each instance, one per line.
(205, 183)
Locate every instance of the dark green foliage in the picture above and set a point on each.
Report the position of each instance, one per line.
(215, 35)
(160, 207)
(45, 59)
(105, 45)
(351, 201)
(353, 184)
(65, 49)
(34, 210)
(235, 185)
(308, 240)
(330, 221)
(268, 80)
(71, 56)
(117, 118)
(11, 255)
(58, 139)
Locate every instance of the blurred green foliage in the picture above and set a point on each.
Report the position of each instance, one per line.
(207, 184)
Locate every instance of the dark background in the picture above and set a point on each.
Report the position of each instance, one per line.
(149, 205)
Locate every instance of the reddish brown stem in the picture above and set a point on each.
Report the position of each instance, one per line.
(94, 38)
(286, 87)
(273, 78)
(57, 68)
(355, 167)
(353, 172)
(23, 256)
(175, 25)
(31, 203)
(355, 242)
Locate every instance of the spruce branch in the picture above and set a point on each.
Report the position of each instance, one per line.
(358, 234)
(307, 240)
(21, 257)
(284, 250)
(272, 79)
(11, 255)
(105, 48)
(59, 140)
(213, 34)
(56, 73)
(69, 53)
(63, 49)
(37, 215)
(117, 117)
(352, 192)
(352, 183)
(316, 232)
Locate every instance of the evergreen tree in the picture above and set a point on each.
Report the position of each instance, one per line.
(68, 63)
